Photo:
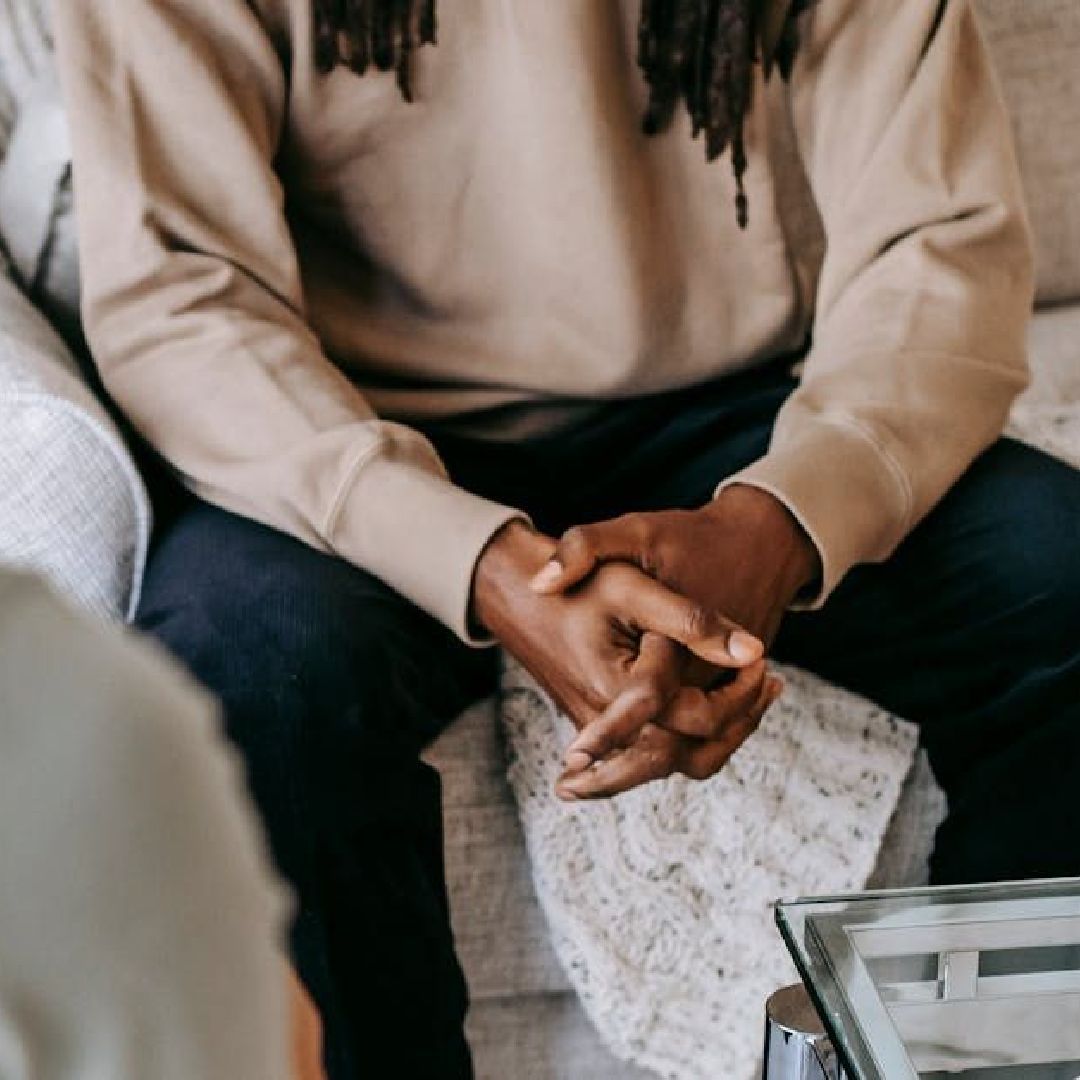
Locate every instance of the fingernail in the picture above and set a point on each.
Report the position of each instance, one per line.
(776, 688)
(577, 760)
(546, 576)
(744, 647)
(566, 794)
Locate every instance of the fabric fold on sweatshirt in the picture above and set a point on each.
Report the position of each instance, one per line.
(288, 274)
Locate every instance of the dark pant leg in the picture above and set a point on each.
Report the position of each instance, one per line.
(972, 630)
(332, 684)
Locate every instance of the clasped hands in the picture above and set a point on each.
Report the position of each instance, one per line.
(650, 631)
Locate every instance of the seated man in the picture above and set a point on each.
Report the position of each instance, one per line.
(400, 313)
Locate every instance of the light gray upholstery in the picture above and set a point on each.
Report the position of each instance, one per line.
(72, 505)
(1036, 48)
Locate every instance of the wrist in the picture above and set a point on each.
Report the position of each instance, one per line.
(770, 526)
(503, 572)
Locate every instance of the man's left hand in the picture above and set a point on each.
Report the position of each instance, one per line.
(744, 556)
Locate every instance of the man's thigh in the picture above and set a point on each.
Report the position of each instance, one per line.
(972, 629)
(331, 682)
(259, 615)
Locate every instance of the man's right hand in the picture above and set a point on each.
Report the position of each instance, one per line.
(619, 635)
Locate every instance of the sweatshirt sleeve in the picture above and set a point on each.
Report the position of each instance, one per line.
(927, 285)
(194, 308)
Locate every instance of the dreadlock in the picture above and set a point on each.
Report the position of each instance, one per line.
(700, 52)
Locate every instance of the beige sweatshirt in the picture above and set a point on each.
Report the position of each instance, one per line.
(283, 270)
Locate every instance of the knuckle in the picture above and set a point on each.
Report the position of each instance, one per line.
(694, 770)
(712, 717)
(650, 698)
(755, 690)
(693, 766)
(663, 764)
(712, 768)
(695, 714)
(670, 753)
(714, 728)
(658, 751)
(576, 541)
(743, 709)
(641, 527)
(665, 552)
(603, 688)
(709, 764)
(613, 583)
(697, 621)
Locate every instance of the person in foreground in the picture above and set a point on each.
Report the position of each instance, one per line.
(403, 295)
(138, 907)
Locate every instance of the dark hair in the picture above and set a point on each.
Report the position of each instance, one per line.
(701, 52)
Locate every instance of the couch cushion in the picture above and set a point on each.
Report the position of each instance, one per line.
(1054, 347)
(501, 934)
(1036, 47)
(37, 220)
(545, 1037)
(71, 503)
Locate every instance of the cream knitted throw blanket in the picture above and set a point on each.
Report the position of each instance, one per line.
(659, 903)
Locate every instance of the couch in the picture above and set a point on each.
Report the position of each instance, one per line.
(72, 506)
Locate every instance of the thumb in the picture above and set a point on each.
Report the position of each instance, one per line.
(581, 549)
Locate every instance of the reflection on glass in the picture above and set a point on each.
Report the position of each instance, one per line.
(980, 982)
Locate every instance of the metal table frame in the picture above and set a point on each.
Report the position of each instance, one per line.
(889, 971)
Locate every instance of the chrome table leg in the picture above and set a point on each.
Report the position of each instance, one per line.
(796, 1046)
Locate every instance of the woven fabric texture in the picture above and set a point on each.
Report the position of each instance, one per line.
(1036, 49)
(71, 503)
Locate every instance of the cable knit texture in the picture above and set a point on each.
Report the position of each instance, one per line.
(660, 902)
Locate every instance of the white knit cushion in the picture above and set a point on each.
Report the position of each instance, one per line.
(71, 502)
(659, 902)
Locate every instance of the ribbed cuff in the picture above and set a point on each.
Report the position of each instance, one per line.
(410, 526)
(845, 491)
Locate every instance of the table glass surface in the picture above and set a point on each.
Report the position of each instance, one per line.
(979, 982)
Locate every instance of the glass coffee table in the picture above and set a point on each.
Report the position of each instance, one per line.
(978, 982)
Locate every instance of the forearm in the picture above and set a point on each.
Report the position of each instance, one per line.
(926, 287)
